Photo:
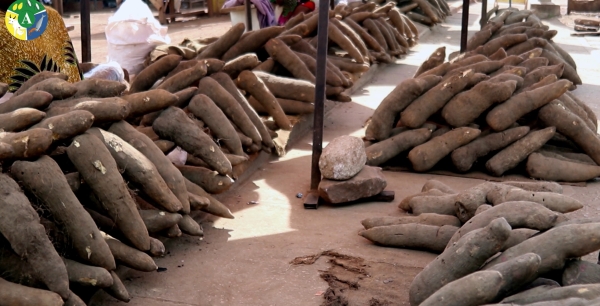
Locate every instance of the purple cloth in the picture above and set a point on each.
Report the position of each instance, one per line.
(264, 11)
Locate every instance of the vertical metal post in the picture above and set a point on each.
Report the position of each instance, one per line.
(483, 20)
(319, 93)
(86, 38)
(465, 26)
(248, 15)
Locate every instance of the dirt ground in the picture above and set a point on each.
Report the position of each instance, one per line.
(248, 260)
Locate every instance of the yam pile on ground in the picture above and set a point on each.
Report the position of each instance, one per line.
(506, 243)
(586, 27)
(89, 182)
(284, 57)
(506, 106)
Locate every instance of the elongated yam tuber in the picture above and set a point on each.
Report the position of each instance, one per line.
(528, 45)
(189, 226)
(348, 66)
(20, 225)
(588, 110)
(39, 77)
(256, 87)
(198, 202)
(533, 63)
(577, 110)
(576, 293)
(219, 47)
(215, 207)
(15, 294)
(517, 236)
(504, 115)
(550, 79)
(58, 88)
(383, 151)
(68, 125)
(44, 179)
(173, 124)
(573, 127)
(252, 42)
(209, 180)
(553, 201)
(243, 62)
(411, 236)
(485, 67)
(183, 79)
(540, 73)
(286, 57)
(150, 101)
(374, 30)
(117, 290)
(425, 219)
(99, 88)
(229, 105)
(105, 110)
(88, 275)
(579, 272)
(406, 92)
(20, 119)
(289, 107)
(466, 107)
(183, 65)
(425, 156)
(504, 41)
(338, 37)
(460, 259)
(536, 186)
(213, 65)
(129, 256)
(352, 35)
(435, 59)
(151, 74)
(464, 157)
(518, 214)
(206, 110)
(26, 144)
(369, 40)
(32, 99)
(385, 29)
(552, 169)
(437, 204)
(467, 201)
(99, 170)
(156, 220)
(416, 17)
(288, 88)
(405, 203)
(512, 155)
(498, 55)
(435, 184)
(569, 73)
(311, 63)
(474, 289)
(562, 53)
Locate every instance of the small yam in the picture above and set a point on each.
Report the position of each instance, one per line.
(411, 236)
(425, 156)
(385, 150)
(20, 119)
(425, 219)
(151, 74)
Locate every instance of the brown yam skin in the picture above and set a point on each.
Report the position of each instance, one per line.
(577, 110)
(550, 79)
(504, 41)
(416, 17)
(573, 127)
(209, 180)
(151, 74)
(553, 201)
(466, 107)
(406, 92)
(230, 86)
(183, 65)
(533, 63)
(189, 226)
(474, 289)
(588, 110)
(437, 204)
(569, 73)
(373, 29)
(156, 220)
(44, 179)
(518, 214)
(289, 107)
(331, 78)
(174, 125)
(149, 101)
(253, 41)
(221, 45)
(425, 219)
(514, 74)
(118, 290)
(504, 115)
(512, 155)
(213, 65)
(243, 62)
(435, 59)
(385, 29)
(33, 99)
(369, 40)
(552, 169)
(425, 156)
(99, 88)
(215, 207)
(282, 54)
(58, 88)
(20, 225)
(478, 39)
(485, 67)
(352, 35)
(464, 157)
(460, 259)
(206, 110)
(498, 55)
(405, 203)
(184, 79)
(526, 46)
(435, 184)
(579, 272)
(20, 119)
(15, 294)
(130, 257)
(99, 170)
(248, 81)
(338, 37)
(385, 150)
(574, 295)
(288, 88)
(540, 73)
(39, 77)
(88, 275)
(68, 125)
(229, 105)
(105, 110)
(139, 170)
(411, 236)
(27, 144)
(467, 201)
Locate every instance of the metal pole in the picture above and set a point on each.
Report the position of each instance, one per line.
(483, 13)
(322, 36)
(248, 15)
(86, 39)
(465, 26)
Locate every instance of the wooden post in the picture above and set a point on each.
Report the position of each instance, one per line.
(86, 39)
(464, 31)
(248, 15)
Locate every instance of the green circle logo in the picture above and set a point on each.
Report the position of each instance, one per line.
(26, 19)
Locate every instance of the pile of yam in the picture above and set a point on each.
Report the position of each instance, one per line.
(498, 243)
(586, 27)
(507, 105)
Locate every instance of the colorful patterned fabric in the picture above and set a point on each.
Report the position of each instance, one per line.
(52, 51)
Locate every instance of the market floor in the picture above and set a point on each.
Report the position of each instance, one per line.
(246, 261)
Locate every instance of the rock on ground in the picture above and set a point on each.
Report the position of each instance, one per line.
(343, 158)
(368, 182)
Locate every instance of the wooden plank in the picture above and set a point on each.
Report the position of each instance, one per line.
(70, 28)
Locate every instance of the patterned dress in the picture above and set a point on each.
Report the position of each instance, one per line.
(52, 51)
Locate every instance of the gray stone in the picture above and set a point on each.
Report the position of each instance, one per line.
(343, 158)
(367, 183)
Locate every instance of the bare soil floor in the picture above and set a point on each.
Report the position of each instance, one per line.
(247, 260)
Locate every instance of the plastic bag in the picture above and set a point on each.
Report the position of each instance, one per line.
(178, 156)
(109, 71)
(133, 32)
